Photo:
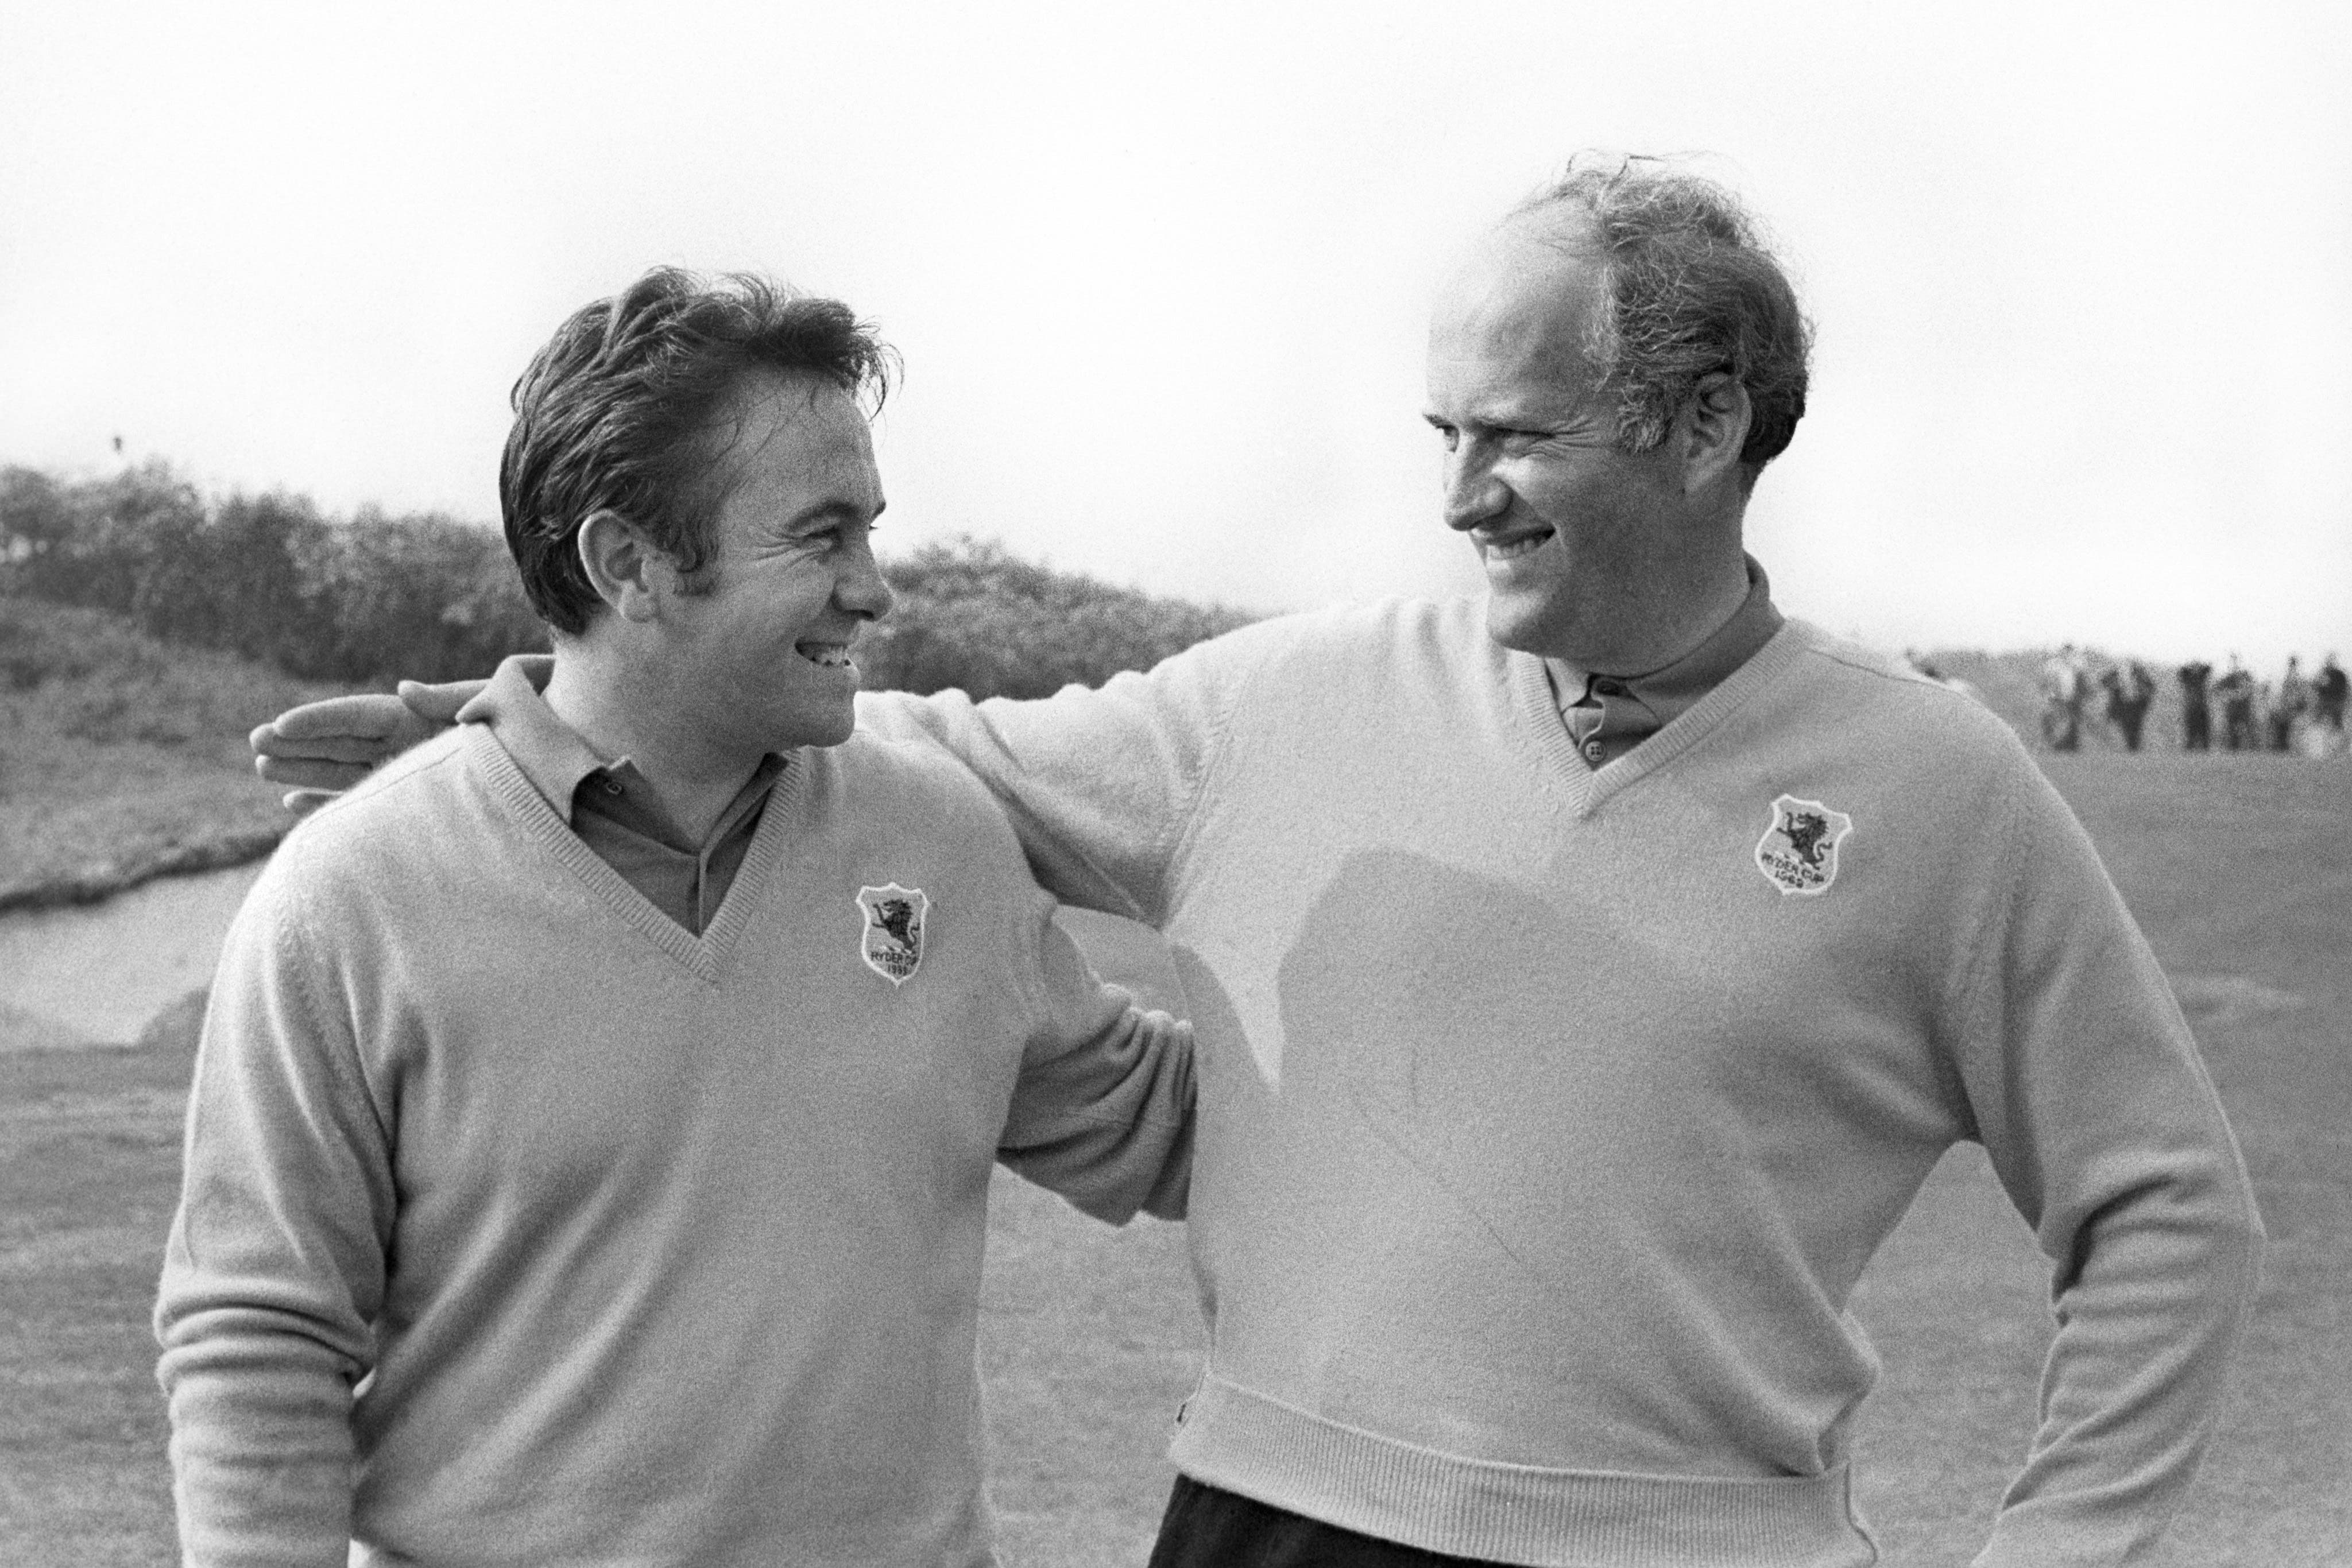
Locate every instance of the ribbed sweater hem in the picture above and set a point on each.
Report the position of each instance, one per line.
(1261, 1448)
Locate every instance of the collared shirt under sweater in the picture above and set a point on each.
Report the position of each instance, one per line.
(613, 807)
(522, 1225)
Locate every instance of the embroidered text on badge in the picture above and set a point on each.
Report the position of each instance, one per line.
(891, 935)
(1799, 850)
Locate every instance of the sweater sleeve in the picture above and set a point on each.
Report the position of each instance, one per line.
(275, 1268)
(1102, 1111)
(1100, 785)
(2090, 1097)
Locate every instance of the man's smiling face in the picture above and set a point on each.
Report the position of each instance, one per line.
(1570, 529)
(763, 657)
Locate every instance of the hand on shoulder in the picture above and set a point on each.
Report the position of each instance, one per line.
(324, 748)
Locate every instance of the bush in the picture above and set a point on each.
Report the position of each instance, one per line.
(430, 597)
(426, 597)
(93, 543)
(970, 614)
(34, 514)
(266, 576)
(235, 581)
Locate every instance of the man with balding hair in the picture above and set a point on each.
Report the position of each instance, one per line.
(1587, 976)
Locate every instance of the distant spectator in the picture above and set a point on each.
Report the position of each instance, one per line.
(2293, 702)
(2236, 690)
(2327, 689)
(2062, 700)
(2130, 689)
(2196, 716)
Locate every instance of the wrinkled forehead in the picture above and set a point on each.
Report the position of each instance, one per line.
(1519, 303)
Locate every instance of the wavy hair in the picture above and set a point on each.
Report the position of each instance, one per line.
(1691, 292)
(625, 410)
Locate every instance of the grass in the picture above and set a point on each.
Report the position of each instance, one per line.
(89, 1145)
(122, 757)
(2240, 868)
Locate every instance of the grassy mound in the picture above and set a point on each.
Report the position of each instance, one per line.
(123, 757)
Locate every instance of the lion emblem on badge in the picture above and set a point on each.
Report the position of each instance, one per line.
(890, 930)
(1799, 852)
(1806, 830)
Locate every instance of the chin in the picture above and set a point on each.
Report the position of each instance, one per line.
(829, 734)
(1518, 622)
(817, 729)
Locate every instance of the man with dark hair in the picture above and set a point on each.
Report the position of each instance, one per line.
(1587, 979)
(615, 415)
(589, 1151)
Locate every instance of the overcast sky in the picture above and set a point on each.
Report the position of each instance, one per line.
(2082, 275)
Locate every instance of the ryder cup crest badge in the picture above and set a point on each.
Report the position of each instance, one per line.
(890, 933)
(1799, 852)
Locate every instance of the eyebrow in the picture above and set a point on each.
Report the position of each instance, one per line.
(833, 514)
(1511, 419)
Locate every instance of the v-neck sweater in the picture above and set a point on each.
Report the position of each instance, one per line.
(1549, 1113)
(522, 1225)
(1610, 713)
(614, 808)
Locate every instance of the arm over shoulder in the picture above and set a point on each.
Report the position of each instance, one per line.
(1100, 785)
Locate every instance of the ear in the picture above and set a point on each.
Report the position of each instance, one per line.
(626, 570)
(1715, 427)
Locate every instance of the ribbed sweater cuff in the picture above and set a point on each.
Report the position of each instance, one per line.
(1247, 1443)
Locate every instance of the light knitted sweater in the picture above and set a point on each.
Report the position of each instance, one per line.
(523, 1226)
(1544, 1131)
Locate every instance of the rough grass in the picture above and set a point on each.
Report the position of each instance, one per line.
(2239, 869)
(122, 757)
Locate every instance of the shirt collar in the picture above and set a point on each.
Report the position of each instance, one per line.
(551, 754)
(558, 760)
(1671, 689)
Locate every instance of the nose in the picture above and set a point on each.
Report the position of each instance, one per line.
(1475, 495)
(862, 589)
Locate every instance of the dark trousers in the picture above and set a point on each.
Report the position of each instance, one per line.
(2197, 726)
(1205, 1527)
(2129, 716)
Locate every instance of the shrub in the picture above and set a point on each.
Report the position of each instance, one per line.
(970, 614)
(94, 542)
(424, 596)
(235, 581)
(431, 597)
(34, 514)
(266, 576)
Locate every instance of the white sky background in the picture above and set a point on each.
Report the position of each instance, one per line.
(2082, 273)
